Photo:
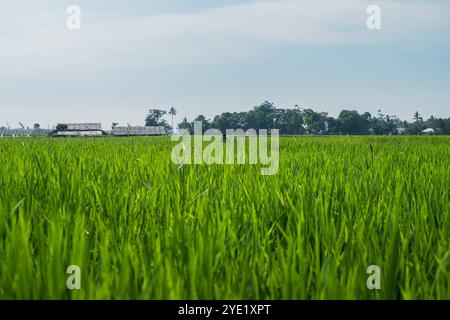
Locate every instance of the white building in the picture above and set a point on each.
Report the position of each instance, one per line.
(428, 131)
(137, 131)
(78, 130)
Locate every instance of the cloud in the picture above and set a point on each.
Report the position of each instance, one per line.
(43, 44)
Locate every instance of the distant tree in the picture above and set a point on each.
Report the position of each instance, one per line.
(200, 118)
(155, 119)
(61, 126)
(290, 121)
(173, 113)
(226, 121)
(206, 124)
(417, 117)
(384, 124)
(36, 126)
(417, 126)
(441, 126)
(445, 126)
(308, 122)
(263, 116)
(300, 121)
(331, 126)
(315, 122)
(186, 125)
(351, 122)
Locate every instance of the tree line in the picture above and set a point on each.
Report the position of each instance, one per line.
(300, 121)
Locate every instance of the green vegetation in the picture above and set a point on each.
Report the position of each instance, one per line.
(301, 121)
(140, 227)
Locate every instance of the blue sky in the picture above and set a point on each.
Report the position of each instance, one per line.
(208, 57)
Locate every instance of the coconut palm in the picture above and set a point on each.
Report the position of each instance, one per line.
(173, 113)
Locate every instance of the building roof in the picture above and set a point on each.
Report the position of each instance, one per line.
(77, 133)
(82, 126)
(138, 131)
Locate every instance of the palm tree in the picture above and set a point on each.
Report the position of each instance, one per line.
(173, 113)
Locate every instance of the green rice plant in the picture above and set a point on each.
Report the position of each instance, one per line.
(141, 227)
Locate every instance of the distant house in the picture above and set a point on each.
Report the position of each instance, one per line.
(428, 131)
(40, 133)
(137, 131)
(9, 132)
(23, 132)
(78, 130)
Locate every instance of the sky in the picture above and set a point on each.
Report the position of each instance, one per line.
(213, 56)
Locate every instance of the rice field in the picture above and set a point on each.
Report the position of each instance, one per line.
(140, 227)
